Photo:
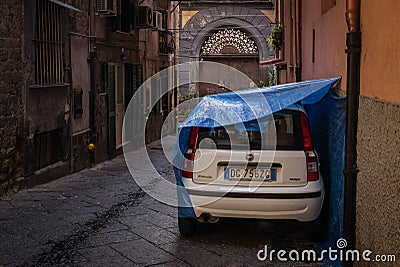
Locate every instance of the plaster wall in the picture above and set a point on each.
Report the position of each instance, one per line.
(380, 58)
(378, 145)
(80, 78)
(330, 41)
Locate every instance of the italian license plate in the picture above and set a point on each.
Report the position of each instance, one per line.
(249, 174)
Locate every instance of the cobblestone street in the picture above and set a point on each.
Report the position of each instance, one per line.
(101, 217)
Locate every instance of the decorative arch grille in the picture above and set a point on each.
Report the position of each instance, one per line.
(229, 41)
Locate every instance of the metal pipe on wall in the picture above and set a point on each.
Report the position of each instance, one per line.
(91, 61)
(353, 51)
(298, 69)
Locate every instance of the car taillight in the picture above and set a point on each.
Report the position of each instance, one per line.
(312, 166)
(189, 155)
(311, 157)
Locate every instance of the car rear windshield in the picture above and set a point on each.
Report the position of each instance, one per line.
(257, 135)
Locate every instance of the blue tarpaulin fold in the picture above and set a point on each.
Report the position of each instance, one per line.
(327, 119)
(246, 105)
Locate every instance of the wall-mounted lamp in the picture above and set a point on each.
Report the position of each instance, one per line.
(123, 56)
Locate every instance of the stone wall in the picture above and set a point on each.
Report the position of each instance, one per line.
(378, 185)
(40, 139)
(79, 21)
(11, 85)
(81, 158)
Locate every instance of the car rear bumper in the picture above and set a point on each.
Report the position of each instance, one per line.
(299, 203)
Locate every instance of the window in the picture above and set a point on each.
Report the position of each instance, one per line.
(125, 16)
(258, 134)
(103, 77)
(78, 103)
(164, 47)
(155, 96)
(163, 42)
(313, 47)
(49, 44)
(326, 5)
(229, 41)
(133, 80)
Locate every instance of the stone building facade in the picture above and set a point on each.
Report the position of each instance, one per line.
(69, 70)
(233, 33)
(11, 95)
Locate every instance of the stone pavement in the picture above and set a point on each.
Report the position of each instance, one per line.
(100, 217)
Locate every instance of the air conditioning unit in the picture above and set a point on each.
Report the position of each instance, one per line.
(158, 20)
(145, 17)
(106, 7)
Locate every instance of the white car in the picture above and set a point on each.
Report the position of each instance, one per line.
(265, 169)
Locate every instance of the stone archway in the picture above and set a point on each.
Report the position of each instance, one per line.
(209, 21)
(232, 47)
(206, 21)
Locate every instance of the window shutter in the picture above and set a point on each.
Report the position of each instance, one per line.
(128, 84)
(103, 77)
(133, 80)
(139, 104)
(165, 20)
(155, 94)
(111, 108)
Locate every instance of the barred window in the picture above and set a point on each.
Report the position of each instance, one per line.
(49, 43)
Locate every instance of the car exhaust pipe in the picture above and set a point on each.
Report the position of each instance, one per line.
(208, 218)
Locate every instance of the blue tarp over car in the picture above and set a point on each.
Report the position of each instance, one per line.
(326, 114)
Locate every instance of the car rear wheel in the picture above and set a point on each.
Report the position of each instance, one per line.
(187, 226)
(317, 230)
(314, 230)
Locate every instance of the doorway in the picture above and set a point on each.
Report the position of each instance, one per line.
(122, 81)
(119, 104)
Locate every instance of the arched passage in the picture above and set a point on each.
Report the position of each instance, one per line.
(251, 25)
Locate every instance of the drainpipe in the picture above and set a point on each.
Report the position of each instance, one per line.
(353, 51)
(71, 108)
(91, 60)
(279, 53)
(298, 69)
(277, 20)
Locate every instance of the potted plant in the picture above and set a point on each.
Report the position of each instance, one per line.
(275, 38)
(261, 84)
(170, 49)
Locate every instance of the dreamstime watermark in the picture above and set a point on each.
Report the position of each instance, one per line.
(332, 254)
